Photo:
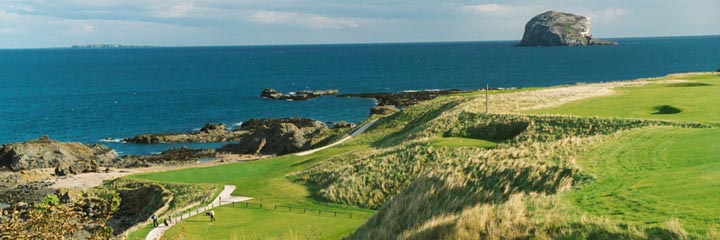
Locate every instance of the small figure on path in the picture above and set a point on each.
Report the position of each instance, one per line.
(167, 223)
(155, 222)
(211, 213)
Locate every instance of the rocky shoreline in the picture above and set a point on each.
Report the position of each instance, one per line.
(211, 132)
(271, 93)
(404, 99)
(29, 169)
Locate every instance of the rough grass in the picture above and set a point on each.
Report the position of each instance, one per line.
(453, 142)
(427, 184)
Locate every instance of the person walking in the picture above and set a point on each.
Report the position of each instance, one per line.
(212, 215)
(155, 222)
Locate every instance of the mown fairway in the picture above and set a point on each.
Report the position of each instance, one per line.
(655, 174)
(253, 223)
(652, 175)
(265, 181)
(696, 96)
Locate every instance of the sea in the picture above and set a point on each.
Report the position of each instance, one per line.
(101, 95)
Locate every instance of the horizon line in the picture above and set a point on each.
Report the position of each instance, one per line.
(145, 46)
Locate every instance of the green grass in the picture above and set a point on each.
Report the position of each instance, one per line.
(141, 233)
(697, 101)
(655, 174)
(462, 142)
(265, 181)
(253, 223)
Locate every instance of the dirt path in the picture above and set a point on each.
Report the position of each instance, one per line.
(354, 134)
(225, 197)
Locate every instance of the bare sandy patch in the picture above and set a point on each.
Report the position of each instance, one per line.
(89, 180)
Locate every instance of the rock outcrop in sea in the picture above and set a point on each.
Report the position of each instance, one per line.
(211, 132)
(181, 155)
(277, 136)
(271, 93)
(47, 153)
(560, 29)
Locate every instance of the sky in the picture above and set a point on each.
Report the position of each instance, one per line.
(63, 23)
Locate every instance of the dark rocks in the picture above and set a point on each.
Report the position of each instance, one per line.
(77, 167)
(180, 155)
(271, 93)
(28, 192)
(559, 29)
(47, 153)
(213, 127)
(384, 110)
(403, 99)
(343, 124)
(277, 136)
(211, 132)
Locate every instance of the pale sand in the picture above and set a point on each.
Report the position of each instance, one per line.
(90, 180)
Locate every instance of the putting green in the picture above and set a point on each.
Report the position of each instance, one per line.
(689, 97)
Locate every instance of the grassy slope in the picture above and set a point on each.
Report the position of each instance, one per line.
(698, 103)
(652, 175)
(462, 142)
(265, 181)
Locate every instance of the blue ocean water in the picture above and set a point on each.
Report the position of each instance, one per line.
(90, 94)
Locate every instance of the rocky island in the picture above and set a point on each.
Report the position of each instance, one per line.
(554, 28)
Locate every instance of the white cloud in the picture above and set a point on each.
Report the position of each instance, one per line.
(305, 19)
(487, 8)
(88, 28)
(606, 15)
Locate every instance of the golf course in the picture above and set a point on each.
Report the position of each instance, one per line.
(636, 159)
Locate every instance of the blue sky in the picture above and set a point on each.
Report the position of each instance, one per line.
(60, 23)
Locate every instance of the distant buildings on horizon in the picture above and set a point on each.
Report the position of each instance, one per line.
(109, 46)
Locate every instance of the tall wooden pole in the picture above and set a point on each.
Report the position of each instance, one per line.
(487, 89)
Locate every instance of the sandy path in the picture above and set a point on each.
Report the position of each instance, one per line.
(89, 180)
(354, 134)
(225, 197)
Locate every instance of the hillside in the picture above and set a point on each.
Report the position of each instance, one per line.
(612, 161)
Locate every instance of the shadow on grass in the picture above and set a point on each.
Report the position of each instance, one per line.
(666, 109)
(688, 84)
